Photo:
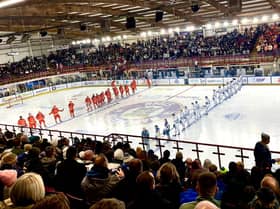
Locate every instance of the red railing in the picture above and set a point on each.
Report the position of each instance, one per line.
(221, 155)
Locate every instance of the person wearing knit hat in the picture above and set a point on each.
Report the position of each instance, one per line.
(8, 177)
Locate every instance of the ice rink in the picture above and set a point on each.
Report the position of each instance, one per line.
(238, 121)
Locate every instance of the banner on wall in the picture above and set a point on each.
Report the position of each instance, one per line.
(160, 82)
(58, 87)
(275, 80)
(214, 81)
(41, 91)
(27, 94)
(197, 81)
(89, 83)
(75, 84)
(102, 83)
(259, 80)
(176, 81)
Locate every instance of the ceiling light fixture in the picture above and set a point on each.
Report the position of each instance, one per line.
(9, 2)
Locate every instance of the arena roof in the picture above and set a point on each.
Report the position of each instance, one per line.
(76, 19)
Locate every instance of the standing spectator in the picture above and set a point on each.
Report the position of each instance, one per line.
(145, 138)
(262, 154)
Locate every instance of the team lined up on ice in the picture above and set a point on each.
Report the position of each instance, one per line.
(96, 101)
(187, 116)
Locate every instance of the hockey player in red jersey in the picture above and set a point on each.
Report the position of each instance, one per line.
(121, 90)
(41, 118)
(22, 122)
(31, 121)
(55, 111)
(88, 103)
(126, 88)
(71, 106)
(133, 86)
(116, 92)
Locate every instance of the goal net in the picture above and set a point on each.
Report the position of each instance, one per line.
(13, 101)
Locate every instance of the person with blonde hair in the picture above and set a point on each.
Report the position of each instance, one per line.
(27, 190)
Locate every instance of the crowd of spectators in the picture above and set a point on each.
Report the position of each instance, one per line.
(165, 47)
(90, 174)
(269, 40)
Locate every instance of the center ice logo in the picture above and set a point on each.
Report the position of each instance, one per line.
(146, 110)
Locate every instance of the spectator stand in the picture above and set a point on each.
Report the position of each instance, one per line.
(219, 154)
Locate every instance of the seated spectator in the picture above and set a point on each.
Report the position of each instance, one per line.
(99, 181)
(33, 164)
(69, 174)
(207, 164)
(165, 158)
(236, 179)
(169, 185)
(196, 170)
(117, 160)
(53, 201)
(49, 159)
(265, 198)
(8, 160)
(21, 159)
(147, 197)
(7, 178)
(180, 166)
(205, 204)
(207, 188)
(125, 190)
(107, 203)
(271, 182)
(27, 190)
